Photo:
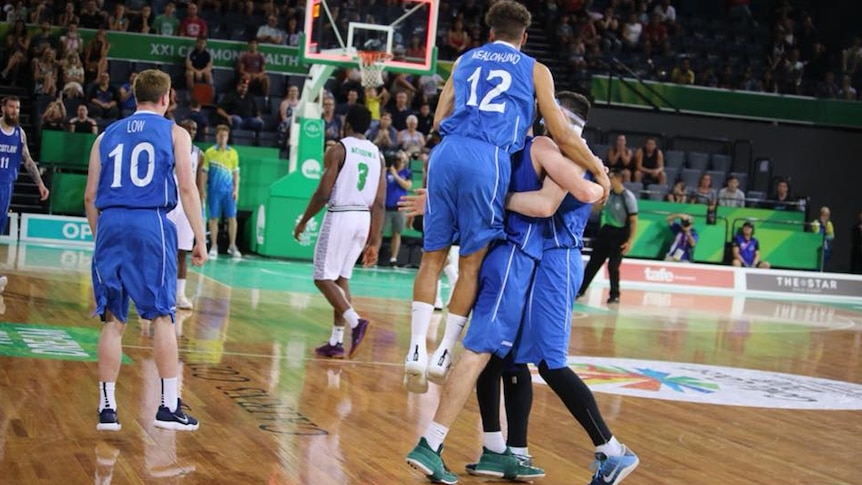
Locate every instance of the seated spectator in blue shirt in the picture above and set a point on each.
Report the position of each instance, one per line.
(128, 104)
(685, 238)
(746, 249)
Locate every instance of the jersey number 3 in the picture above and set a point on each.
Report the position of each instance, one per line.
(487, 103)
(146, 149)
(363, 176)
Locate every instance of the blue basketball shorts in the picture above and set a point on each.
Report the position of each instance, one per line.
(467, 184)
(220, 204)
(548, 313)
(504, 281)
(135, 258)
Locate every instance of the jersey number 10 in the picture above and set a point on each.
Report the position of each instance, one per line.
(141, 148)
(487, 103)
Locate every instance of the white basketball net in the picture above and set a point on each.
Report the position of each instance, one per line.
(371, 65)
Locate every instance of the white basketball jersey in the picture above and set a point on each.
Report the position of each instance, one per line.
(357, 182)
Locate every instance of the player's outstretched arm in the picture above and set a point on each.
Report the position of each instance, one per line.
(570, 143)
(332, 160)
(565, 173)
(377, 212)
(537, 203)
(32, 168)
(94, 171)
(188, 191)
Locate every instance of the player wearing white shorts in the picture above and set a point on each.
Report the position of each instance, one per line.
(353, 190)
(185, 236)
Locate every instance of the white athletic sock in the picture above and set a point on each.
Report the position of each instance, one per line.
(181, 287)
(420, 320)
(454, 326)
(351, 317)
(611, 448)
(435, 435)
(519, 451)
(337, 336)
(106, 395)
(451, 272)
(494, 441)
(170, 393)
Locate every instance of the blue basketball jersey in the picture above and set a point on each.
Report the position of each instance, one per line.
(137, 157)
(494, 95)
(566, 228)
(11, 147)
(522, 230)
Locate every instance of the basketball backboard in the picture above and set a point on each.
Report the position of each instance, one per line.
(406, 29)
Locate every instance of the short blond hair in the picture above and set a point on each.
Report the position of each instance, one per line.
(222, 128)
(151, 86)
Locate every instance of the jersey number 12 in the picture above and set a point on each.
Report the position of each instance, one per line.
(144, 148)
(487, 103)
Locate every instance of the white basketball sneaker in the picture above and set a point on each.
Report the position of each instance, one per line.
(439, 365)
(414, 371)
(183, 302)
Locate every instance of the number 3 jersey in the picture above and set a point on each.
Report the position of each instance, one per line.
(356, 185)
(137, 157)
(494, 96)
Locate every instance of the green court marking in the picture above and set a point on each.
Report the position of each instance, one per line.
(50, 342)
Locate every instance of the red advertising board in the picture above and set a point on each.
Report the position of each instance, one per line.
(662, 273)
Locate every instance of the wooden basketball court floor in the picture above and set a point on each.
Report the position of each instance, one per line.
(708, 390)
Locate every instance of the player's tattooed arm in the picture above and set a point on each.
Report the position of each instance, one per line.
(32, 168)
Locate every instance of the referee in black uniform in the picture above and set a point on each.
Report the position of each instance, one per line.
(616, 236)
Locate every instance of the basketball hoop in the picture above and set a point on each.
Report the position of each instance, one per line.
(371, 64)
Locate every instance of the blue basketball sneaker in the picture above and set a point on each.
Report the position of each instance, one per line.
(108, 420)
(176, 420)
(611, 470)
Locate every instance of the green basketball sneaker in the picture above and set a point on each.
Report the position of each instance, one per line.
(429, 462)
(506, 465)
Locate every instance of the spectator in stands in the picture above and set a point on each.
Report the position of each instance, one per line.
(128, 103)
(649, 164)
(430, 87)
(619, 157)
(341, 108)
(92, 17)
(823, 226)
(847, 92)
(71, 42)
(45, 73)
(398, 183)
(856, 246)
(768, 82)
(199, 64)
(73, 77)
(42, 40)
(374, 99)
(83, 123)
(102, 98)
(851, 56)
(678, 193)
(683, 74)
(632, 31)
(42, 13)
(655, 31)
(172, 105)
(17, 44)
(68, 16)
(746, 248)
(565, 32)
(143, 22)
(667, 15)
(410, 139)
(609, 30)
(708, 78)
(384, 135)
(400, 111)
(704, 193)
(193, 26)
(16, 12)
(269, 33)
(54, 117)
(118, 20)
(292, 33)
(252, 67)
(239, 109)
(426, 119)
(96, 56)
(416, 50)
(749, 82)
(781, 199)
(684, 238)
(731, 196)
(331, 122)
(739, 9)
(457, 39)
(288, 104)
(167, 23)
(199, 117)
(827, 89)
(727, 79)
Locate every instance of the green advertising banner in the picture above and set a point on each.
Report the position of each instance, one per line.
(49, 342)
(697, 99)
(43, 228)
